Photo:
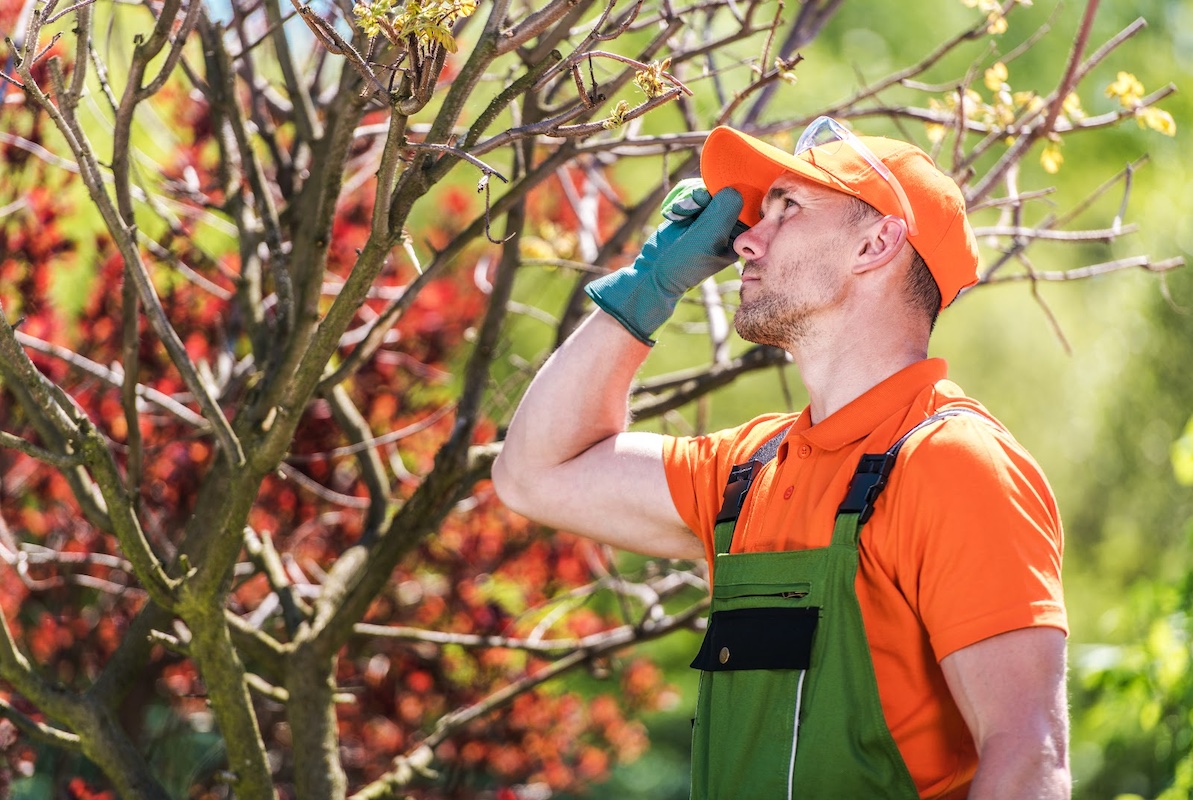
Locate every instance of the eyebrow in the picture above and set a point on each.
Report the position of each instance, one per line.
(773, 194)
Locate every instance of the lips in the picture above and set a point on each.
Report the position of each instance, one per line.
(749, 272)
(746, 288)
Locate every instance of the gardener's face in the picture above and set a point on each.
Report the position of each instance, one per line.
(796, 262)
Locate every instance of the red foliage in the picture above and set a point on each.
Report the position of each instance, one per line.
(78, 789)
(477, 575)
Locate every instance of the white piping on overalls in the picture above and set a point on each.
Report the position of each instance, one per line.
(799, 694)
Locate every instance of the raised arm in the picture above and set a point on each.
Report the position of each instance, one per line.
(568, 460)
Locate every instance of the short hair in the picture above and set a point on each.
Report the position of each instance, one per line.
(920, 287)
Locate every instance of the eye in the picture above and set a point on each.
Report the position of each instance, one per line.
(780, 203)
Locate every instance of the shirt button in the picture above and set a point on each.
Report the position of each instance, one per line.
(787, 492)
(724, 655)
(805, 450)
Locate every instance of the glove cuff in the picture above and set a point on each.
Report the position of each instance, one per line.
(634, 300)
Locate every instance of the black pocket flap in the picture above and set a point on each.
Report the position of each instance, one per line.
(758, 638)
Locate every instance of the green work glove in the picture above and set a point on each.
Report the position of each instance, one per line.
(696, 242)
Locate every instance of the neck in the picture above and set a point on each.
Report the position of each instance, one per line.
(837, 369)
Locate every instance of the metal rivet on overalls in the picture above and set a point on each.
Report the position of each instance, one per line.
(724, 655)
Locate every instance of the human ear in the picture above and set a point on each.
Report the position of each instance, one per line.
(881, 241)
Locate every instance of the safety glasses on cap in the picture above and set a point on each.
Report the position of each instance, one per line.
(826, 134)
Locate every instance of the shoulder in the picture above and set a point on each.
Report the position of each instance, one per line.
(970, 450)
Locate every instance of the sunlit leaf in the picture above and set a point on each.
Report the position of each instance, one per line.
(1127, 88)
(1156, 119)
(1051, 158)
(996, 76)
(1182, 456)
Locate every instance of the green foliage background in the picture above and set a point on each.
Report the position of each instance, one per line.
(1101, 420)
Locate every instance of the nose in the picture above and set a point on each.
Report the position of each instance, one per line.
(751, 245)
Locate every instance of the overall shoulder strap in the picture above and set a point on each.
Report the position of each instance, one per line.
(740, 479)
(873, 470)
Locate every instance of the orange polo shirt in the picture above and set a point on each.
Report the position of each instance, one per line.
(965, 542)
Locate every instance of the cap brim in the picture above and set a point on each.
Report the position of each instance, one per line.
(734, 159)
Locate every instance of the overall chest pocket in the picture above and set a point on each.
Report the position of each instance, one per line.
(758, 638)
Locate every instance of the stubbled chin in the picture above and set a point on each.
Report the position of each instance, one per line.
(764, 319)
(750, 322)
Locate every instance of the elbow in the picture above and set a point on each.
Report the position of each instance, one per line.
(510, 491)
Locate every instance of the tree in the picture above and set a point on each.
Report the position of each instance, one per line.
(254, 478)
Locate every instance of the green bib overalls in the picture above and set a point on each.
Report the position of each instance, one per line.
(788, 704)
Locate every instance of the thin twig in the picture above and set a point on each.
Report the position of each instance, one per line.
(640, 66)
(321, 491)
(60, 460)
(1101, 235)
(326, 33)
(1047, 309)
(458, 153)
(677, 392)
(37, 554)
(39, 731)
(260, 548)
(997, 202)
(1094, 270)
(1125, 175)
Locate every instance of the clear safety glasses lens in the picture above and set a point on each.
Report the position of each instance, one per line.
(828, 135)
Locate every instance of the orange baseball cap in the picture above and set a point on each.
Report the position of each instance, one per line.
(944, 239)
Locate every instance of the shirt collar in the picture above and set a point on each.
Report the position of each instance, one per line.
(858, 418)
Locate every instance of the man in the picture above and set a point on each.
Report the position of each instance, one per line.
(864, 642)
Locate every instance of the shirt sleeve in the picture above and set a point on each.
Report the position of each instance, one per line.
(698, 467)
(977, 535)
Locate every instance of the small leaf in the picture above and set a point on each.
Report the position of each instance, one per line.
(1072, 107)
(1156, 119)
(1127, 88)
(652, 80)
(996, 76)
(617, 118)
(1051, 158)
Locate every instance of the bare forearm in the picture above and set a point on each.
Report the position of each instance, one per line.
(1022, 767)
(567, 461)
(578, 398)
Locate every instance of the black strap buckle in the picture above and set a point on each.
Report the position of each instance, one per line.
(868, 482)
(740, 478)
